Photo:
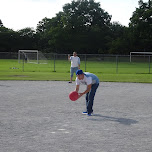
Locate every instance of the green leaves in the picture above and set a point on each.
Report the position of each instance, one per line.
(82, 25)
(83, 13)
(141, 25)
(1, 24)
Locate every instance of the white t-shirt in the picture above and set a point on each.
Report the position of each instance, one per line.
(89, 78)
(86, 81)
(75, 61)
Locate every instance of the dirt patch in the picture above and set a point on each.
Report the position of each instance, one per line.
(19, 76)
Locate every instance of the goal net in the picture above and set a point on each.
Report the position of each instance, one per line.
(139, 54)
(32, 56)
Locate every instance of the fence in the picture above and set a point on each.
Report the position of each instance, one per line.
(95, 63)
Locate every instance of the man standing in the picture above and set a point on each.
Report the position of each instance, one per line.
(75, 64)
(92, 82)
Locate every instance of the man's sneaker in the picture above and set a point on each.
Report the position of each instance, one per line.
(84, 113)
(70, 81)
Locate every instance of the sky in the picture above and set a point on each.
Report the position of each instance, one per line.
(20, 14)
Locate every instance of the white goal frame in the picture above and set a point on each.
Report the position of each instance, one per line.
(28, 51)
(145, 53)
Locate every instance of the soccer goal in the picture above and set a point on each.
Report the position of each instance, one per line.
(32, 56)
(139, 53)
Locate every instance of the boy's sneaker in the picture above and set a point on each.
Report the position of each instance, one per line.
(90, 114)
(84, 113)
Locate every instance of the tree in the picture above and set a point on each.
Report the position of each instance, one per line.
(82, 26)
(119, 39)
(29, 32)
(42, 34)
(83, 13)
(1, 24)
(8, 40)
(43, 25)
(12, 41)
(58, 34)
(141, 26)
(28, 39)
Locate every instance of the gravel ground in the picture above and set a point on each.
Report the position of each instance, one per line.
(37, 116)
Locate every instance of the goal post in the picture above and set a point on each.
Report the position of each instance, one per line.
(26, 55)
(32, 56)
(141, 53)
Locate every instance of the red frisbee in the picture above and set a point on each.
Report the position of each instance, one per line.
(73, 95)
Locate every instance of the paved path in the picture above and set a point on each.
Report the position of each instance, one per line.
(37, 116)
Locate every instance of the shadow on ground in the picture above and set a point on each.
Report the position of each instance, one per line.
(124, 121)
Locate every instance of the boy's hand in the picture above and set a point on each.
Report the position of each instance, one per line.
(80, 94)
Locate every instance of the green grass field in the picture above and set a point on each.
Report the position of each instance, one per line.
(60, 71)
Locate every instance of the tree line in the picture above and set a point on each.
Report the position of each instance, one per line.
(83, 26)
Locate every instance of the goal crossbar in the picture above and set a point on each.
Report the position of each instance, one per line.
(139, 53)
(28, 50)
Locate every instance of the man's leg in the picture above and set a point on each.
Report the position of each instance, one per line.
(75, 70)
(71, 75)
(91, 96)
(72, 71)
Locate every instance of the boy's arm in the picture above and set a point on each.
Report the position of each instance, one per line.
(77, 88)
